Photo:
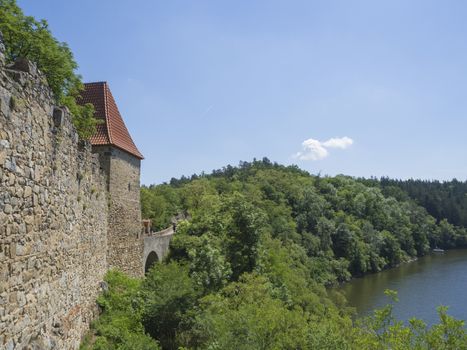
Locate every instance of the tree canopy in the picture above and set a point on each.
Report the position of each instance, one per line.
(442, 199)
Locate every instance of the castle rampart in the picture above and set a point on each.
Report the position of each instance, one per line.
(53, 218)
(69, 211)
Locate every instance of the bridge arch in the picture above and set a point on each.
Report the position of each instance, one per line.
(156, 246)
(151, 259)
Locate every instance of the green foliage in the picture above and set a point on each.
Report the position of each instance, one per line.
(25, 37)
(249, 269)
(253, 313)
(245, 315)
(119, 326)
(383, 331)
(346, 227)
(169, 293)
(243, 234)
(263, 241)
(208, 266)
(159, 204)
(442, 200)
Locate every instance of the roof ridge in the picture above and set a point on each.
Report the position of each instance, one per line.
(106, 112)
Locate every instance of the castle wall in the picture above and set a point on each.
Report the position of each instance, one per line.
(125, 243)
(53, 219)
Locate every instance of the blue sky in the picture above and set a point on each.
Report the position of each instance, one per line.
(202, 84)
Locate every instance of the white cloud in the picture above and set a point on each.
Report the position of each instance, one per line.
(316, 150)
(312, 150)
(341, 143)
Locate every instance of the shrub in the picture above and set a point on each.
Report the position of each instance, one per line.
(119, 326)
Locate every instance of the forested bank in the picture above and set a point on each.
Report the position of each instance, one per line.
(248, 270)
(353, 226)
(442, 199)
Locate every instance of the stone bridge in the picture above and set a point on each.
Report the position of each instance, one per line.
(156, 246)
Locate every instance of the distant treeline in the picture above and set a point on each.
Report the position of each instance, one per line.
(442, 200)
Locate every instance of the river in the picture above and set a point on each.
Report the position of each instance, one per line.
(422, 285)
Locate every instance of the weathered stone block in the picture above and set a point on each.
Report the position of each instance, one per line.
(22, 249)
(24, 65)
(8, 209)
(27, 191)
(10, 164)
(11, 179)
(3, 156)
(5, 99)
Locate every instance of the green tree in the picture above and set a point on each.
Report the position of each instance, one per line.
(391, 249)
(325, 229)
(25, 37)
(160, 204)
(208, 266)
(243, 234)
(168, 293)
(310, 208)
(447, 234)
(245, 316)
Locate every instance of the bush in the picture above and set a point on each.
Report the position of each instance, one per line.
(119, 326)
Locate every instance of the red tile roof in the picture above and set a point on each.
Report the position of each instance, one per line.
(113, 131)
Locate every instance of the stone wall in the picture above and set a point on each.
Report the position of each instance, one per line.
(53, 219)
(125, 242)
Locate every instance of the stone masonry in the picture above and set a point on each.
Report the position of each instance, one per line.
(69, 211)
(125, 243)
(53, 219)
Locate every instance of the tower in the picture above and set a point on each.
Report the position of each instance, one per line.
(120, 160)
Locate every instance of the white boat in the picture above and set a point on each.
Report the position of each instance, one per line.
(438, 250)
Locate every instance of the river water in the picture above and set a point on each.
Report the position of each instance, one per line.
(422, 285)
